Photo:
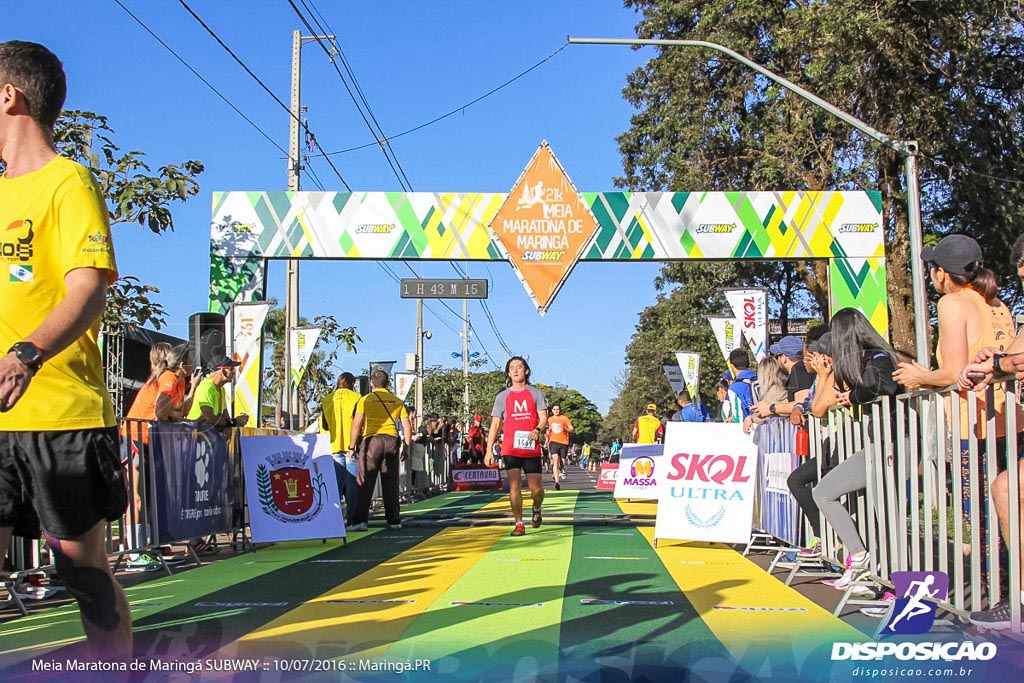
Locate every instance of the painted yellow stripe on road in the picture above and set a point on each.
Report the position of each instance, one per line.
(514, 597)
(413, 580)
(762, 609)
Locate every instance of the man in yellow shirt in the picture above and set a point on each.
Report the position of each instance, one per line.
(376, 420)
(338, 409)
(648, 428)
(59, 463)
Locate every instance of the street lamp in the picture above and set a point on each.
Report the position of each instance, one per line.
(465, 356)
(906, 148)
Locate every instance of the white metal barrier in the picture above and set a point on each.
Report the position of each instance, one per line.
(918, 513)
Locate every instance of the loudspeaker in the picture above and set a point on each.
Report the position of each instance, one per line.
(207, 338)
(362, 385)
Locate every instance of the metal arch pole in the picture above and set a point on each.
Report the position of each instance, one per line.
(905, 148)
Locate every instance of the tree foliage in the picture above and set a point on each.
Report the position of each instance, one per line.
(443, 390)
(322, 370)
(134, 195)
(946, 73)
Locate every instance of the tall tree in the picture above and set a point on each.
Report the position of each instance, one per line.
(946, 73)
(134, 195)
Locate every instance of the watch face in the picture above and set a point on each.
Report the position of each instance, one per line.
(28, 354)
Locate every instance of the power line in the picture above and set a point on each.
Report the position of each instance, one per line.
(457, 109)
(263, 85)
(200, 77)
(392, 160)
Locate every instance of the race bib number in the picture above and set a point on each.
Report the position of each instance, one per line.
(521, 441)
(556, 428)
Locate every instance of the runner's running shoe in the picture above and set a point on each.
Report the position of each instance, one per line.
(518, 529)
(143, 563)
(537, 519)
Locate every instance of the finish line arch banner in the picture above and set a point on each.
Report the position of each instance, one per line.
(292, 488)
(707, 492)
(640, 465)
(545, 226)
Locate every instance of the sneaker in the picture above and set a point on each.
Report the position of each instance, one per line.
(143, 563)
(537, 519)
(204, 547)
(558, 487)
(518, 529)
(881, 610)
(812, 550)
(995, 619)
(394, 526)
(359, 527)
(854, 572)
(561, 475)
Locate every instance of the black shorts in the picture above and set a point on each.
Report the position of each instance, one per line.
(559, 449)
(527, 465)
(67, 481)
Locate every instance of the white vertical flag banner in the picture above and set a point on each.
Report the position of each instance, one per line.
(727, 332)
(403, 383)
(303, 340)
(750, 306)
(689, 363)
(674, 377)
(247, 320)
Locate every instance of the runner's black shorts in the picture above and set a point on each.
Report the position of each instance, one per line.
(559, 449)
(67, 481)
(527, 465)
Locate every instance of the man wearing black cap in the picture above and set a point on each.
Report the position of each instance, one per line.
(209, 404)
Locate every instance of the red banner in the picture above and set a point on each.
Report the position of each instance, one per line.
(606, 479)
(476, 478)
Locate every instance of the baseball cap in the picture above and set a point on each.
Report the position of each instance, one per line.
(955, 254)
(788, 346)
(823, 345)
(652, 406)
(222, 361)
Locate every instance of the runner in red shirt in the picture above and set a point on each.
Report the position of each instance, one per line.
(524, 411)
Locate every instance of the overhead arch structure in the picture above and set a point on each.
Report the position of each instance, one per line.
(544, 226)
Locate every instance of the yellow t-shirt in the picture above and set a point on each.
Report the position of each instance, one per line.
(52, 221)
(382, 411)
(339, 407)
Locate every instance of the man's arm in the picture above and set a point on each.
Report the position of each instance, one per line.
(69, 320)
(355, 431)
(407, 435)
(492, 436)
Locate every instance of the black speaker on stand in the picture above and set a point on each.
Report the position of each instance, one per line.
(207, 338)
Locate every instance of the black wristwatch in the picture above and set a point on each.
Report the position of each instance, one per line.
(996, 359)
(29, 355)
(771, 409)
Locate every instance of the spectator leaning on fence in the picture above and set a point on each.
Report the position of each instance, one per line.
(864, 365)
(790, 352)
(989, 363)
(210, 404)
(971, 318)
(771, 383)
(802, 480)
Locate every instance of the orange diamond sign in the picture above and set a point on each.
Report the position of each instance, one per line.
(544, 226)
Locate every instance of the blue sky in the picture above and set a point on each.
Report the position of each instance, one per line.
(414, 61)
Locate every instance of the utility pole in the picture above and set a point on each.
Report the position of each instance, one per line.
(291, 302)
(419, 362)
(465, 357)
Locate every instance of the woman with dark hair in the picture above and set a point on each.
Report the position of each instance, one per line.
(863, 366)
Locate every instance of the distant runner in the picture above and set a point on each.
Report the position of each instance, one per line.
(559, 429)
